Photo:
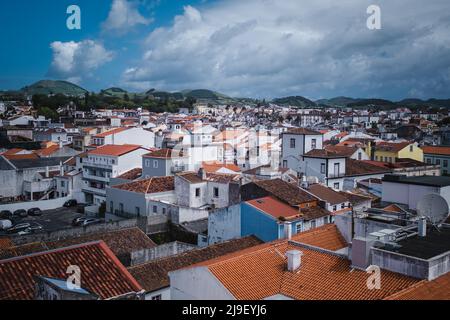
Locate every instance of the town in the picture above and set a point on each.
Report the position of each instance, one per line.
(199, 196)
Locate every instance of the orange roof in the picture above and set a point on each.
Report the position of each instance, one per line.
(21, 156)
(275, 208)
(111, 132)
(326, 237)
(12, 151)
(322, 275)
(47, 151)
(437, 289)
(445, 151)
(114, 150)
(393, 208)
(216, 166)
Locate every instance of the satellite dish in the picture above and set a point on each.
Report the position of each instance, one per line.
(434, 207)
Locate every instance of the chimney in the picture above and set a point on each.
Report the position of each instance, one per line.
(47, 173)
(294, 260)
(423, 227)
(61, 169)
(202, 173)
(288, 230)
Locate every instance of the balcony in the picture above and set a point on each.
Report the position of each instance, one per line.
(38, 186)
(94, 177)
(97, 191)
(336, 175)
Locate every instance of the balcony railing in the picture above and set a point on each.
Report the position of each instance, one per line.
(101, 192)
(336, 175)
(94, 177)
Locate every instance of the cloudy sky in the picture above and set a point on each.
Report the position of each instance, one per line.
(252, 48)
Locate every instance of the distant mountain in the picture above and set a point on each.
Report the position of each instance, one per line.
(337, 102)
(48, 87)
(295, 101)
(114, 92)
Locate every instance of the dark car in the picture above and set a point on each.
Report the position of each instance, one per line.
(35, 212)
(21, 213)
(70, 203)
(6, 214)
(19, 227)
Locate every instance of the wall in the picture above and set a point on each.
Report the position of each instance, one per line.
(186, 214)
(162, 251)
(406, 194)
(149, 170)
(255, 222)
(224, 224)
(197, 284)
(164, 293)
(43, 205)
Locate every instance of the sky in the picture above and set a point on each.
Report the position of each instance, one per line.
(252, 48)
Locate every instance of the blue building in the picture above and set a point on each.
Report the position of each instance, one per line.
(270, 219)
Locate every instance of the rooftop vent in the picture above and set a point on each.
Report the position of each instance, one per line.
(294, 260)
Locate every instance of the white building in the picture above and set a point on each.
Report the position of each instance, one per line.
(107, 162)
(119, 136)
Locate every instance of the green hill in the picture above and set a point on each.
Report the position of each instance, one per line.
(295, 101)
(48, 87)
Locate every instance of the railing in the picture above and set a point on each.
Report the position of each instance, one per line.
(93, 177)
(336, 175)
(124, 214)
(38, 186)
(101, 192)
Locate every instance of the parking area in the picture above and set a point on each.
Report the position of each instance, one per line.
(52, 220)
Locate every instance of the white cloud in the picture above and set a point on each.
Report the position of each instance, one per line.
(274, 48)
(75, 60)
(122, 17)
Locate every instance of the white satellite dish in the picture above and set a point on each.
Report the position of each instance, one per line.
(434, 207)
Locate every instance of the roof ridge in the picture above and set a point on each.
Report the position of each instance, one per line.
(149, 184)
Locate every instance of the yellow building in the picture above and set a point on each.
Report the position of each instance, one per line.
(389, 152)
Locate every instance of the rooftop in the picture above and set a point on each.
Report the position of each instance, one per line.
(361, 168)
(327, 194)
(431, 181)
(322, 153)
(114, 150)
(443, 151)
(302, 131)
(151, 185)
(275, 208)
(111, 132)
(164, 154)
(131, 175)
(154, 275)
(103, 274)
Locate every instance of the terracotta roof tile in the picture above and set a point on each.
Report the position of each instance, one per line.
(164, 154)
(154, 275)
(327, 237)
(132, 174)
(437, 289)
(285, 191)
(102, 272)
(152, 185)
(114, 150)
(111, 132)
(445, 151)
(322, 276)
(213, 167)
(355, 167)
(275, 208)
(303, 131)
(326, 194)
(322, 153)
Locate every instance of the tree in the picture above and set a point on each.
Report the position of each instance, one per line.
(47, 113)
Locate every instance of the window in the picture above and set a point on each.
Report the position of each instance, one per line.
(313, 144)
(343, 206)
(334, 208)
(337, 186)
(155, 164)
(428, 161)
(285, 164)
(322, 168)
(197, 192)
(113, 161)
(155, 209)
(138, 211)
(411, 148)
(376, 158)
(121, 207)
(164, 210)
(63, 184)
(438, 161)
(337, 169)
(111, 206)
(298, 227)
(360, 156)
(292, 143)
(216, 192)
(445, 163)
(147, 163)
(313, 224)
(158, 297)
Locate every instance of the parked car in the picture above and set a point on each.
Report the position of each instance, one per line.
(5, 224)
(21, 213)
(30, 230)
(19, 227)
(78, 221)
(35, 212)
(70, 203)
(6, 214)
(91, 221)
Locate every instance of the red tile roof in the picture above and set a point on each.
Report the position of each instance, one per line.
(102, 273)
(131, 175)
(275, 208)
(114, 150)
(444, 151)
(355, 168)
(326, 194)
(216, 166)
(302, 131)
(326, 237)
(391, 147)
(322, 275)
(437, 289)
(164, 154)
